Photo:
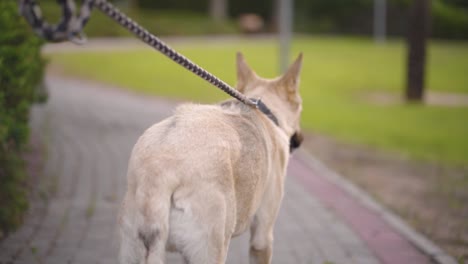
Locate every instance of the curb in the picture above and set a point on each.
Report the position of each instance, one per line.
(421, 242)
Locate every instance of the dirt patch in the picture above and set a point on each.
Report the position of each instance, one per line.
(433, 198)
(431, 98)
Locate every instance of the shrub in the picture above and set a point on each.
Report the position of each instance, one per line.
(449, 21)
(21, 70)
(449, 17)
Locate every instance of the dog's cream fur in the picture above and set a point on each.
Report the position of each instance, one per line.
(208, 173)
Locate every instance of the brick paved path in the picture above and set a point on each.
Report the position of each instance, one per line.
(90, 130)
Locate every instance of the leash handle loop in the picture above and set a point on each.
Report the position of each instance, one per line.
(68, 29)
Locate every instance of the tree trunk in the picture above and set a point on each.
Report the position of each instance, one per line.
(419, 23)
(218, 9)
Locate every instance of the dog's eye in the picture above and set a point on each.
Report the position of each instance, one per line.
(295, 141)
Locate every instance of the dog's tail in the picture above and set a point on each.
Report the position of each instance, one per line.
(144, 232)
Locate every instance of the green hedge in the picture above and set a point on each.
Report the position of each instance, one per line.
(449, 17)
(21, 70)
(449, 21)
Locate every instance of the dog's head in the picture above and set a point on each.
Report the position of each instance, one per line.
(281, 95)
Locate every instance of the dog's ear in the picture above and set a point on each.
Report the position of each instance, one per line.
(288, 84)
(290, 79)
(245, 75)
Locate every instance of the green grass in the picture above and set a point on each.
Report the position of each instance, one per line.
(337, 74)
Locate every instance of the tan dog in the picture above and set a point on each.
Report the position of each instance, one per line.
(209, 172)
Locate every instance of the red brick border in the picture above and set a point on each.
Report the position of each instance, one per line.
(383, 240)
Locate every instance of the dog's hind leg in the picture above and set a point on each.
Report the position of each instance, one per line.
(142, 249)
(199, 228)
(144, 235)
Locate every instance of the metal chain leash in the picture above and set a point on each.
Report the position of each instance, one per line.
(70, 28)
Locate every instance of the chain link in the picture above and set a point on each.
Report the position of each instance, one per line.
(68, 29)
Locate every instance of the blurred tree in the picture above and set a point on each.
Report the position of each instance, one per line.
(133, 3)
(418, 32)
(218, 9)
(458, 3)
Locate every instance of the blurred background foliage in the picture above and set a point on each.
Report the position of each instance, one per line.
(191, 17)
(21, 71)
(449, 17)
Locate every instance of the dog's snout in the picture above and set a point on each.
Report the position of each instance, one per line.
(295, 141)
